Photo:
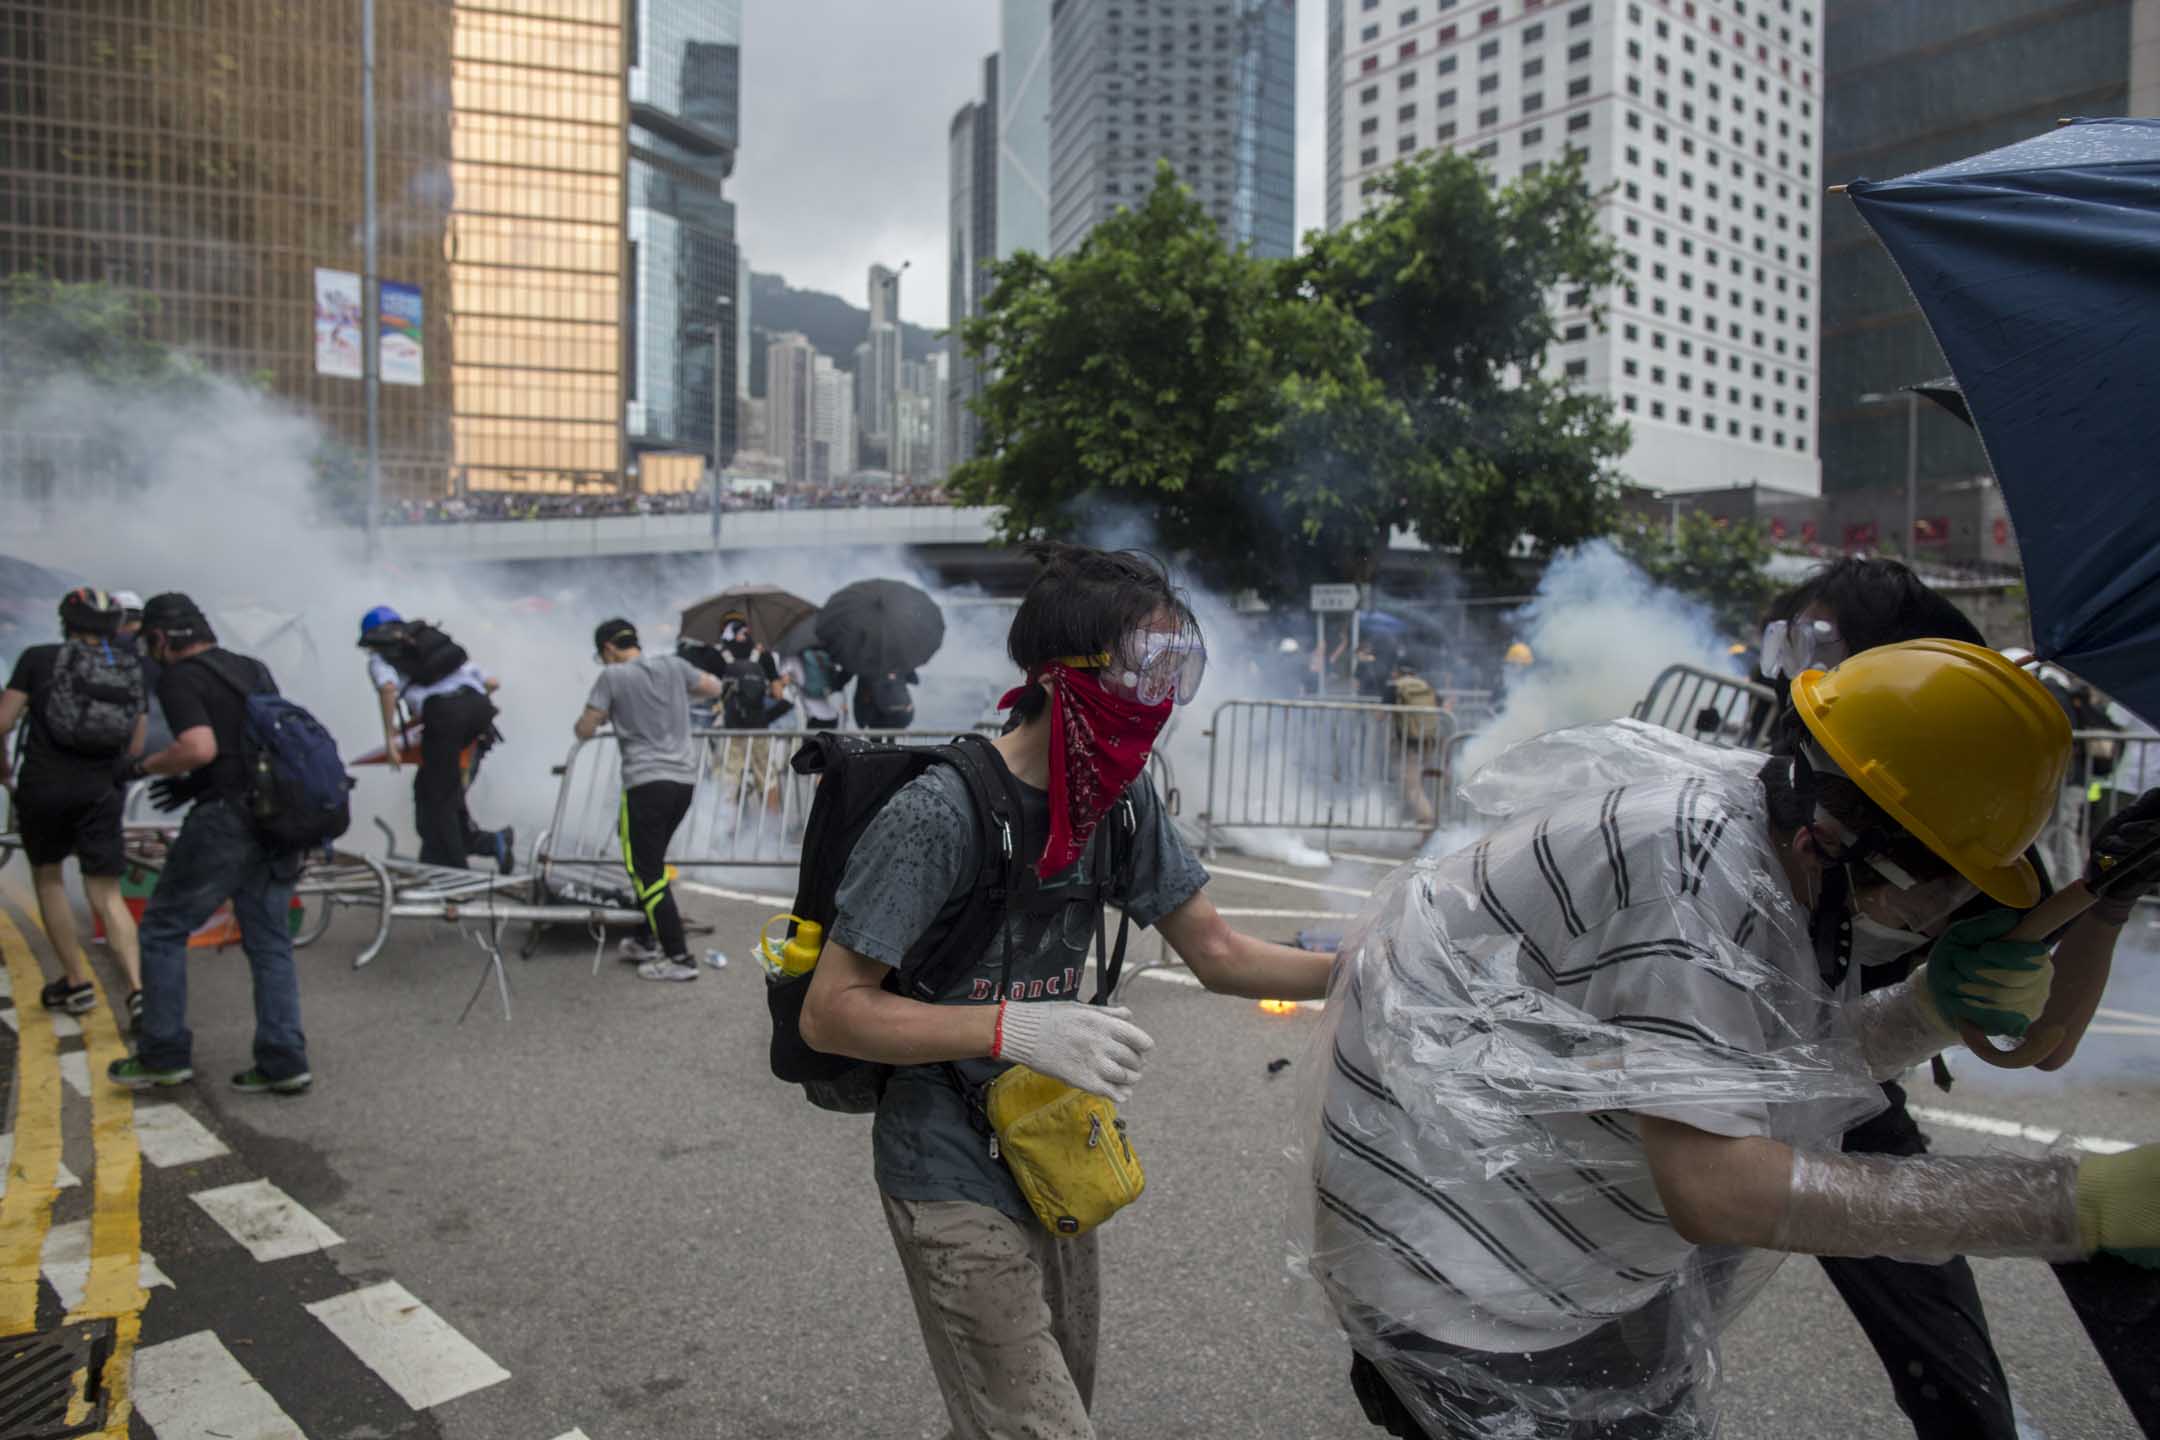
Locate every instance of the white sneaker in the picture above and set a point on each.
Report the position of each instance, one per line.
(665, 969)
(635, 951)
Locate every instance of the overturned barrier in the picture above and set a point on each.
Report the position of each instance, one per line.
(1324, 766)
(1704, 705)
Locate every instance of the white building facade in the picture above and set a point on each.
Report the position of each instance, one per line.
(1701, 126)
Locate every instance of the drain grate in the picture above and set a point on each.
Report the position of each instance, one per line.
(38, 1380)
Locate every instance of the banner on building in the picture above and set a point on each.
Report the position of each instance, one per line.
(1931, 530)
(1861, 535)
(337, 324)
(403, 352)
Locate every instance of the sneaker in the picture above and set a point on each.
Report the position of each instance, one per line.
(75, 999)
(506, 849)
(636, 950)
(133, 1074)
(134, 1012)
(679, 968)
(254, 1082)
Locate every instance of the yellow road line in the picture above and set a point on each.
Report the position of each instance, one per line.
(26, 1212)
(115, 1288)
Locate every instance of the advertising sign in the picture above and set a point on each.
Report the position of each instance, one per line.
(402, 352)
(337, 324)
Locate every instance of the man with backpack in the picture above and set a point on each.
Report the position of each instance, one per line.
(959, 931)
(647, 700)
(885, 702)
(224, 851)
(415, 667)
(817, 680)
(1417, 736)
(84, 699)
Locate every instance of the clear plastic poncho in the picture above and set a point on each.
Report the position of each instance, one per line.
(1473, 1200)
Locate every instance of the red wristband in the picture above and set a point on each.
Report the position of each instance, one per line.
(997, 1036)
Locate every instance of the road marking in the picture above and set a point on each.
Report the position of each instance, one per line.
(120, 1273)
(67, 1264)
(75, 1069)
(1288, 914)
(193, 1389)
(1285, 880)
(414, 1350)
(2140, 1032)
(1179, 976)
(2015, 1130)
(268, 1223)
(34, 1165)
(698, 888)
(2131, 1015)
(573, 1435)
(64, 1025)
(64, 1178)
(170, 1136)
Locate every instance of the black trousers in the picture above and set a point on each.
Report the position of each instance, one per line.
(650, 813)
(449, 723)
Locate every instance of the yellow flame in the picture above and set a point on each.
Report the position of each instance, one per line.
(1279, 1007)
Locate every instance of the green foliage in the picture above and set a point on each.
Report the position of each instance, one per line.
(1719, 562)
(49, 326)
(1275, 420)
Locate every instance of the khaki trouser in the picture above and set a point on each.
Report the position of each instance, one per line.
(1010, 1315)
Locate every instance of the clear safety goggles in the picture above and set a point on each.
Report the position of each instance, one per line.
(1152, 665)
(1791, 646)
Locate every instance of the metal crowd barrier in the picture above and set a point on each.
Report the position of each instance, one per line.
(1319, 765)
(1701, 704)
(2108, 769)
(749, 808)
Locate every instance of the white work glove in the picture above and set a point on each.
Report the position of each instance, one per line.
(1089, 1047)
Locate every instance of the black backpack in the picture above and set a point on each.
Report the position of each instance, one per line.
(298, 791)
(93, 699)
(859, 776)
(418, 651)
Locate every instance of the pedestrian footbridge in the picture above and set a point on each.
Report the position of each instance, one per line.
(612, 536)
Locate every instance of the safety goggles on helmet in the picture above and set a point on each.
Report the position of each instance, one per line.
(1152, 665)
(1791, 646)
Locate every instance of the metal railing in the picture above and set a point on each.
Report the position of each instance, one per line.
(749, 808)
(2108, 769)
(1703, 705)
(1319, 765)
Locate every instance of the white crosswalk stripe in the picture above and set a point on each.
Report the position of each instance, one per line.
(415, 1351)
(64, 1025)
(170, 1136)
(267, 1222)
(66, 1178)
(75, 1069)
(193, 1389)
(66, 1263)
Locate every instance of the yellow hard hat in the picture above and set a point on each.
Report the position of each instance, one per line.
(1519, 654)
(1962, 748)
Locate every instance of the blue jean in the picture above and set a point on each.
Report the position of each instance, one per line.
(217, 858)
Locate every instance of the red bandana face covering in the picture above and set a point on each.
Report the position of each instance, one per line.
(1099, 744)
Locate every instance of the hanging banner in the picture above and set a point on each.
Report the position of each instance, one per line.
(337, 324)
(402, 349)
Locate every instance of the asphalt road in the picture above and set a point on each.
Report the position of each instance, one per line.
(610, 1198)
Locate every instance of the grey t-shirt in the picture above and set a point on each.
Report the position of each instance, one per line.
(917, 861)
(647, 700)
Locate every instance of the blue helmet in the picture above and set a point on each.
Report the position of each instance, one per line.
(380, 615)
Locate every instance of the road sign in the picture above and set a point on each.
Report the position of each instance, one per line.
(1334, 599)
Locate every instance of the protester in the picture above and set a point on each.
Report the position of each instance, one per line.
(1583, 1079)
(216, 857)
(885, 702)
(816, 680)
(156, 734)
(84, 700)
(1010, 1310)
(1925, 1321)
(418, 670)
(647, 700)
(753, 696)
(1417, 737)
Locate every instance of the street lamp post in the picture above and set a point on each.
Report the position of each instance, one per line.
(1912, 466)
(722, 395)
(370, 283)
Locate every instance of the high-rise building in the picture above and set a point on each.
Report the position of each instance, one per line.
(1022, 101)
(536, 244)
(878, 376)
(1702, 125)
(1208, 85)
(686, 308)
(791, 403)
(1911, 84)
(972, 248)
(210, 157)
(833, 426)
(742, 324)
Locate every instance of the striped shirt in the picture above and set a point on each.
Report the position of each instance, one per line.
(1505, 1011)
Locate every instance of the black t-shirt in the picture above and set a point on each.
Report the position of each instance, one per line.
(193, 694)
(45, 764)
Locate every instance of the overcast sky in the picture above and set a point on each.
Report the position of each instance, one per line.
(846, 107)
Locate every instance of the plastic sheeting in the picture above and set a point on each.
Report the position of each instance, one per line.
(1477, 1208)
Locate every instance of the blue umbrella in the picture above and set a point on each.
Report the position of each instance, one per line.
(2038, 268)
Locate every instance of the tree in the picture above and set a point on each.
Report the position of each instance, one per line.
(1719, 562)
(49, 326)
(1156, 370)
(1452, 282)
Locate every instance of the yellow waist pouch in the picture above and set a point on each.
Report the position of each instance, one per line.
(1065, 1147)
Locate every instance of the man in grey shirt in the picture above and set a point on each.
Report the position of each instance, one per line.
(647, 700)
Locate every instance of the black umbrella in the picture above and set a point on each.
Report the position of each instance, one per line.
(769, 611)
(802, 636)
(881, 627)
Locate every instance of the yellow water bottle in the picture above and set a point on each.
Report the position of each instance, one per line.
(799, 956)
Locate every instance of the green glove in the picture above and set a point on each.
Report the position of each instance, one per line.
(1974, 974)
(2118, 1202)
